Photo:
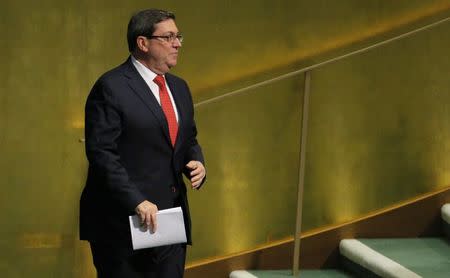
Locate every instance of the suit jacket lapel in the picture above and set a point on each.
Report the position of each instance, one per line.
(141, 89)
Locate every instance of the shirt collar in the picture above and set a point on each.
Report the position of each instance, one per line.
(145, 72)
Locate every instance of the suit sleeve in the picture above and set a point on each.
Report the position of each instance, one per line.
(194, 150)
(102, 131)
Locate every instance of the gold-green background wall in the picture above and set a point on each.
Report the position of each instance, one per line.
(379, 124)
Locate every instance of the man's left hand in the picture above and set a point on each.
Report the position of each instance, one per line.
(197, 173)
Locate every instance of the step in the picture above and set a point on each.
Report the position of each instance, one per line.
(398, 257)
(445, 212)
(325, 273)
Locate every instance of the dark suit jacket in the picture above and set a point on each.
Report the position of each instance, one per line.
(130, 155)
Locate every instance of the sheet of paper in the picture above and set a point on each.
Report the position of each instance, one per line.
(170, 230)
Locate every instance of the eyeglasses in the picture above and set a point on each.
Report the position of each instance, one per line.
(169, 38)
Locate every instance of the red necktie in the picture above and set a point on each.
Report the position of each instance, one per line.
(167, 107)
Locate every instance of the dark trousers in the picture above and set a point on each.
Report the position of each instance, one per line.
(159, 262)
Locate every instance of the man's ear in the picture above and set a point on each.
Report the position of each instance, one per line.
(142, 43)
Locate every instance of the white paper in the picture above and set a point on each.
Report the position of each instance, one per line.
(169, 230)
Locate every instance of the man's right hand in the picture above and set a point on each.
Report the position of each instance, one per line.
(147, 214)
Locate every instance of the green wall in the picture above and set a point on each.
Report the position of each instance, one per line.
(379, 124)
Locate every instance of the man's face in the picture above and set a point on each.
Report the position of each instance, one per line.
(162, 54)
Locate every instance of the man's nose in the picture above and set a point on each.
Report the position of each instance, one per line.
(176, 43)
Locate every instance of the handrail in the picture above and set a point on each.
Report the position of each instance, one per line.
(304, 125)
(318, 65)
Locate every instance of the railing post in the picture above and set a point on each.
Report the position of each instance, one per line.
(301, 173)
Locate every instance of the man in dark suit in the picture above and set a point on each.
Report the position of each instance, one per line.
(140, 139)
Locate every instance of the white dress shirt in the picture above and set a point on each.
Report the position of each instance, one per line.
(148, 77)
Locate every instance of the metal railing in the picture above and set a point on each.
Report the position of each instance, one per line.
(319, 65)
(305, 112)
